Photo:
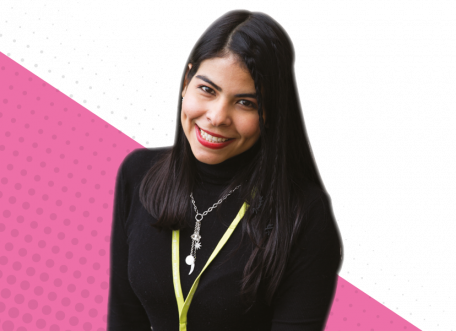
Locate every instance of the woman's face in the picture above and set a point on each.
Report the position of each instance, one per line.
(219, 111)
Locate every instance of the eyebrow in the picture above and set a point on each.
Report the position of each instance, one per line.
(218, 88)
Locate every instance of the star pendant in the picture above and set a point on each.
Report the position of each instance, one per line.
(198, 245)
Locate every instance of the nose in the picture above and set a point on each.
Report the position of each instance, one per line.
(218, 113)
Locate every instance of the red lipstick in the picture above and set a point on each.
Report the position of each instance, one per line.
(208, 144)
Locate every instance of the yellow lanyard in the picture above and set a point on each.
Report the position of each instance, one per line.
(182, 305)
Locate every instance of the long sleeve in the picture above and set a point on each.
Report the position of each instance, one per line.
(125, 311)
(306, 292)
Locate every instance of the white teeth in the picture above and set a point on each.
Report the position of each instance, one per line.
(210, 138)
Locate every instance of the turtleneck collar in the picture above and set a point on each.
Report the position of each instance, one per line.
(222, 173)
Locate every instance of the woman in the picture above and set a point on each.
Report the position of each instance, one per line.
(266, 256)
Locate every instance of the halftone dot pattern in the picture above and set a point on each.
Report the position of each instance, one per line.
(58, 165)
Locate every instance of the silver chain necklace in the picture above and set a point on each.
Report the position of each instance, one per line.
(196, 238)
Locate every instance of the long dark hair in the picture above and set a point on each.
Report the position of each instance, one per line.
(281, 168)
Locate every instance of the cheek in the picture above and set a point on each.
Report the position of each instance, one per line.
(248, 126)
(191, 110)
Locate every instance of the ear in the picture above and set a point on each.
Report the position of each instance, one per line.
(186, 82)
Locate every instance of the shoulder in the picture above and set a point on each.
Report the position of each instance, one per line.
(316, 215)
(139, 161)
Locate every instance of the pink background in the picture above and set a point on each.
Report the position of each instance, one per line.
(58, 165)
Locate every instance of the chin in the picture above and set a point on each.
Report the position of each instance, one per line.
(209, 158)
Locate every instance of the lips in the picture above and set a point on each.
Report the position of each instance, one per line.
(214, 134)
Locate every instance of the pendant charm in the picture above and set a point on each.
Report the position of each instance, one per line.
(190, 260)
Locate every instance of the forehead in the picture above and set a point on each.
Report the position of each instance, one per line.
(227, 72)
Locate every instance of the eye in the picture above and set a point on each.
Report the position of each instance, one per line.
(247, 103)
(206, 89)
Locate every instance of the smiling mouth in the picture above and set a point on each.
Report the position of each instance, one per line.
(209, 138)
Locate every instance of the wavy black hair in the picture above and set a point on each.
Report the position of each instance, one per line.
(281, 168)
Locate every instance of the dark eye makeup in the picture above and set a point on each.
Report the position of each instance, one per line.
(245, 102)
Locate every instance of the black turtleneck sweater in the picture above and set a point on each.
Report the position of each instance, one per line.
(141, 293)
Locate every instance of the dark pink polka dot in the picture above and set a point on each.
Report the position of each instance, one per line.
(19, 299)
(55, 249)
(88, 247)
(71, 288)
(49, 263)
(96, 266)
(98, 299)
(52, 296)
(74, 321)
(69, 255)
(11, 279)
(63, 268)
(80, 227)
(87, 326)
(61, 235)
(40, 324)
(93, 312)
(27, 318)
(47, 230)
(9, 246)
(33, 224)
(74, 241)
(77, 274)
(5, 293)
(25, 285)
(94, 233)
(44, 277)
(79, 307)
(6, 213)
(60, 315)
(30, 271)
(66, 301)
(32, 304)
(102, 252)
(38, 290)
(67, 222)
(41, 244)
(3, 260)
(22, 252)
(39, 211)
(82, 260)
(54, 327)
(85, 293)
(57, 282)
(13, 312)
(46, 310)
(20, 219)
(8, 325)
(90, 280)
(104, 285)
(36, 257)
(28, 238)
